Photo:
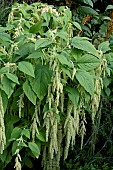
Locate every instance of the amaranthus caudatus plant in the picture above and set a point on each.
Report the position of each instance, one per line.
(50, 80)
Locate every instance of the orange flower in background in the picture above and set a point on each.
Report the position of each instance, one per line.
(86, 19)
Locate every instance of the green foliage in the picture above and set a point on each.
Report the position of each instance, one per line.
(51, 82)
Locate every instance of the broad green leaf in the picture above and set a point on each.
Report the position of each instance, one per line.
(34, 148)
(64, 60)
(14, 119)
(36, 27)
(27, 24)
(29, 92)
(73, 95)
(82, 44)
(4, 36)
(12, 77)
(16, 133)
(88, 62)
(86, 81)
(42, 42)
(3, 156)
(106, 18)
(26, 68)
(89, 2)
(8, 158)
(76, 53)
(4, 70)
(22, 144)
(35, 15)
(108, 91)
(18, 92)
(46, 16)
(104, 47)
(85, 10)
(109, 7)
(77, 25)
(46, 108)
(26, 132)
(40, 82)
(14, 147)
(7, 86)
(36, 54)
(66, 71)
(9, 128)
(62, 34)
(23, 11)
(26, 48)
(28, 162)
(106, 82)
(67, 16)
(41, 136)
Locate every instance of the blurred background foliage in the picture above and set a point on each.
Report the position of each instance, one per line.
(96, 20)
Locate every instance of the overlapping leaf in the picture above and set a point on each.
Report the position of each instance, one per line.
(26, 68)
(86, 80)
(40, 83)
(88, 62)
(42, 42)
(7, 86)
(83, 44)
(29, 92)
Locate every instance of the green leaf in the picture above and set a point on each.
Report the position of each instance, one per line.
(109, 7)
(89, 2)
(106, 82)
(62, 34)
(14, 118)
(83, 44)
(76, 53)
(77, 25)
(16, 133)
(85, 10)
(36, 27)
(106, 18)
(4, 70)
(104, 47)
(28, 162)
(88, 62)
(73, 95)
(66, 71)
(5, 37)
(9, 127)
(34, 148)
(22, 144)
(86, 81)
(14, 147)
(41, 136)
(36, 54)
(42, 42)
(29, 92)
(63, 58)
(26, 68)
(40, 83)
(108, 91)
(3, 156)
(26, 132)
(46, 16)
(12, 77)
(7, 86)
(25, 48)
(8, 158)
